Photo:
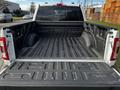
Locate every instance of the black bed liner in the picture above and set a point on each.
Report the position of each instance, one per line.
(58, 46)
(59, 74)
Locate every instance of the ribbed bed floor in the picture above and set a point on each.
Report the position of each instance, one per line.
(57, 47)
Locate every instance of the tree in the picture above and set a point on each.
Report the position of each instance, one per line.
(32, 8)
(6, 10)
(18, 13)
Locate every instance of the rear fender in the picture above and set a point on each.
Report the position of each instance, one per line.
(7, 53)
(110, 47)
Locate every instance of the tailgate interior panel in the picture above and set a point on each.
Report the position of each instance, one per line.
(59, 74)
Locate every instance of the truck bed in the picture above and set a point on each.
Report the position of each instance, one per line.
(72, 74)
(58, 46)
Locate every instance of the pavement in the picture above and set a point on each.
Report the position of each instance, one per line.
(3, 25)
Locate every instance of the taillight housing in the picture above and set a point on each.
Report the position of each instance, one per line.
(115, 50)
(3, 48)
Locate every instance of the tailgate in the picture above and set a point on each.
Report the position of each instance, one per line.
(93, 74)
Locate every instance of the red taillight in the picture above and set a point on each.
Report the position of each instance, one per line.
(3, 48)
(115, 50)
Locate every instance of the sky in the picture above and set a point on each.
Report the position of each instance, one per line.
(25, 4)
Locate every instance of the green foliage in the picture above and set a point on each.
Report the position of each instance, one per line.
(117, 65)
(6, 10)
(105, 24)
(17, 18)
(18, 13)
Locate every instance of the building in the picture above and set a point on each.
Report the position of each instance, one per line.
(110, 12)
(93, 12)
(11, 6)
